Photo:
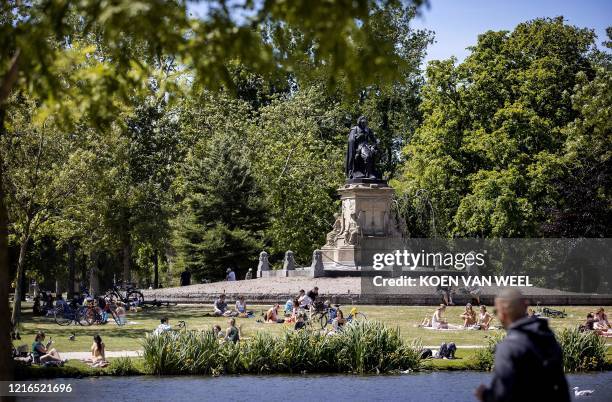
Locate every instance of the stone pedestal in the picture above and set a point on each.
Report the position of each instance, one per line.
(366, 225)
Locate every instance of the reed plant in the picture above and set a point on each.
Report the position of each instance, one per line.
(582, 351)
(362, 347)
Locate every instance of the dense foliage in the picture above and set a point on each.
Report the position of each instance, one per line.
(515, 140)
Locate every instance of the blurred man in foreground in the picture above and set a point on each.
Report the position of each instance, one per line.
(529, 361)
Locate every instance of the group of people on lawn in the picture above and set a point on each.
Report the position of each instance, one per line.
(471, 319)
(597, 322)
(42, 353)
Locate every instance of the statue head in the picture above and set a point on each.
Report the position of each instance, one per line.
(362, 122)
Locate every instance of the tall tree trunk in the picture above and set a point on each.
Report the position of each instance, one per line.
(94, 284)
(20, 276)
(71, 268)
(6, 367)
(127, 257)
(155, 269)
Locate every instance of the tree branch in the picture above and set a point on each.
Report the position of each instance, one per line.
(9, 79)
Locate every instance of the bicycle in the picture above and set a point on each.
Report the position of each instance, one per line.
(94, 313)
(328, 314)
(132, 296)
(66, 315)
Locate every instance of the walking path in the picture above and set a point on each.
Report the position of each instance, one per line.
(87, 355)
(137, 353)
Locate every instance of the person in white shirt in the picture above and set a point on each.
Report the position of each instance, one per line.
(305, 301)
(162, 327)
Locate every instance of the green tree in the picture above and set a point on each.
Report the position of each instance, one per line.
(492, 144)
(38, 175)
(224, 217)
(297, 149)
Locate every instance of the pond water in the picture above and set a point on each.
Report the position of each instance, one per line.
(436, 386)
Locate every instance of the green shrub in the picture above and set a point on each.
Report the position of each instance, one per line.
(362, 347)
(582, 351)
(484, 358)
(122, 366)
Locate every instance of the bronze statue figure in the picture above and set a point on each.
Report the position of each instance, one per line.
(360, 162)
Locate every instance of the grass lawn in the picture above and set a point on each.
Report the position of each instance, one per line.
(128, 337)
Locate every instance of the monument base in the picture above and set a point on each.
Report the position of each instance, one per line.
(366, 225)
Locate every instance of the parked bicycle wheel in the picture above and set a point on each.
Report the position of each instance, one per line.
(63, 317)
(135, 298)
(82, 316)
(118, 320)
(323, 320)
(112, 297)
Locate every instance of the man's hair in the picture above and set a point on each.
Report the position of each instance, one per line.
(164, 320)
(362, 119)
(222, 295)
(513, 302)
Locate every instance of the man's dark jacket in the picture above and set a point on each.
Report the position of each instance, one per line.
(528, 365)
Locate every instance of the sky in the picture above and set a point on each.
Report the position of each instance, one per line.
(457, 23)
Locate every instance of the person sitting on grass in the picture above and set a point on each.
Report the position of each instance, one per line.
(339, 321)
(42, 354)
(98, 355)
(589, 324)
(271, 316)
(468, 316)
(217, 332)
(61, 303)
(220, 307)
(437, 320)
(300, 322)
(484, 319)
(162, 327)
(232, 334)
(601, 320)
(304, 300)
(289, 306)
(241, 307)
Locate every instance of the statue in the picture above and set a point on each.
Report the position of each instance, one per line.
(360, 162)
(337, 229)
(354, 230)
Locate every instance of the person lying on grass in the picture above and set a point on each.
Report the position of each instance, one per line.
(468, 316)
(41, 353)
